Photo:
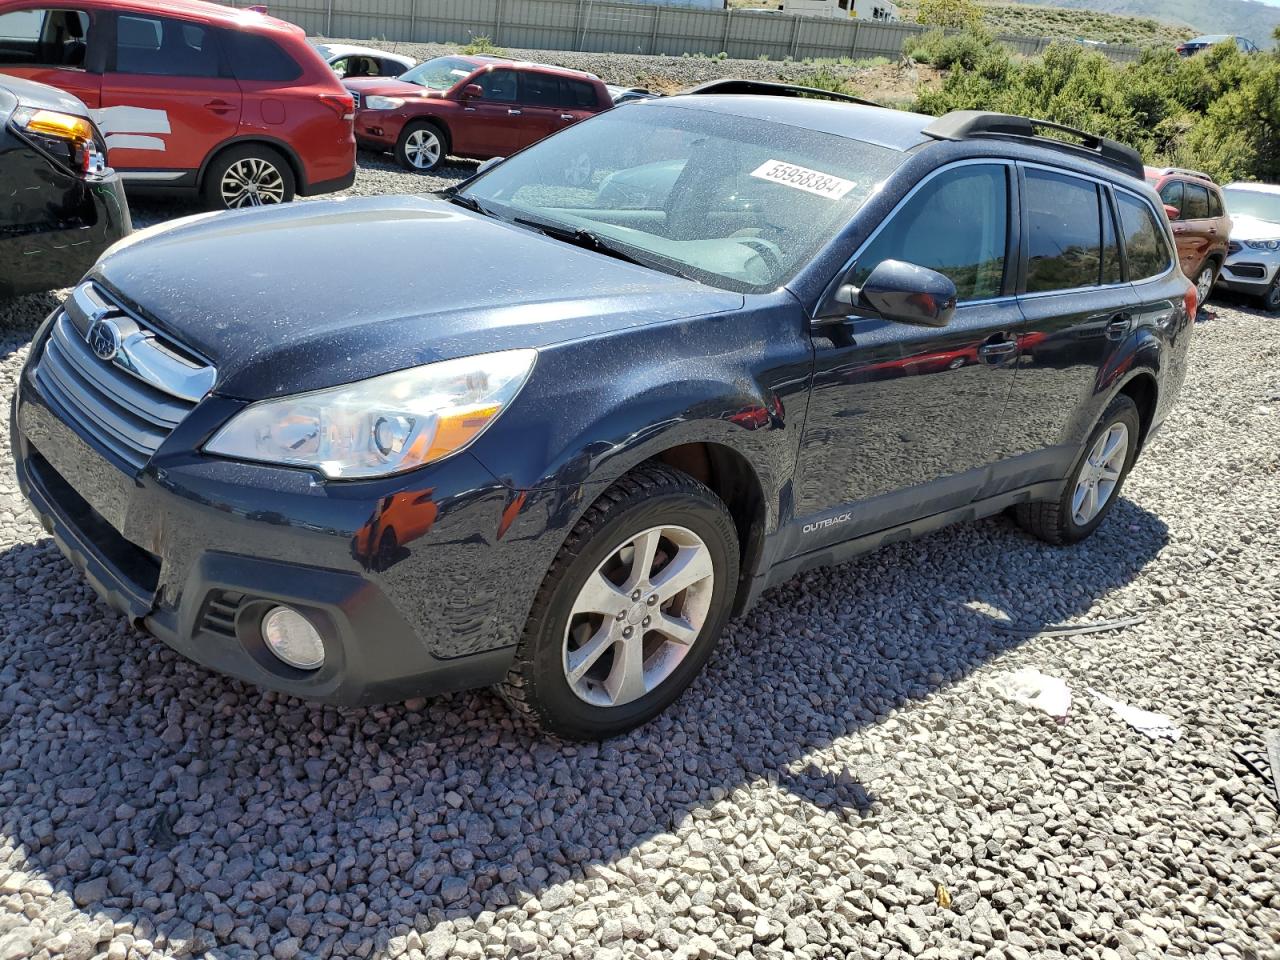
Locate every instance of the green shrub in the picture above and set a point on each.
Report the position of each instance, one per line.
(949, 13)
(945, 51)
(482, 46)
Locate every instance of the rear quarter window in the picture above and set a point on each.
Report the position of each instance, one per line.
(1145, 244)
(254, 57)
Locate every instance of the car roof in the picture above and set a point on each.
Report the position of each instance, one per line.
(490, 60)
(895, 129)
(198, 9)
(1271, 188)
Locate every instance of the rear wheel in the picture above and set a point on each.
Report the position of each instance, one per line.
(630, 610)
(253, 175)
(1094, 485)
(421, 146)
(1205, 280)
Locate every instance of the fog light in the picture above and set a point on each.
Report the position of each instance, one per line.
(292, 638)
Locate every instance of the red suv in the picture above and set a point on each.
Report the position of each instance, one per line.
(192, 95)
(477, 107)
(1201, 226)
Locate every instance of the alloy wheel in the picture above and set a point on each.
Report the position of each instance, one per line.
(638, 615)
(1204, 285)
(1272, 299)
(1100, 474)
(423, 148)
(252, 182)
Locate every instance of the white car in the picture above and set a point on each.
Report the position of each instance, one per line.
(350, 61)
(1253, 257)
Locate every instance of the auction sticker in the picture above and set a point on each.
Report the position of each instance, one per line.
(802, 178)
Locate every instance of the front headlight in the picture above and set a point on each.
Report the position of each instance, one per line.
(383, 425)
(383, 103)
(1263, 244)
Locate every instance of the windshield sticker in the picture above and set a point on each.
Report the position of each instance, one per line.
(460, 73)
(802, 178)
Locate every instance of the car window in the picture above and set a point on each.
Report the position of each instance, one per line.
(539, 89)
(579, 95)
(1064, 232)
(957, 224)
(500, 85)
(1215, 204)
(1171, 193)
(1112, 271)
(161, 47)
(1195, 202)
(52, 37)
(1145, 243)
(440, 73)
(254, 57)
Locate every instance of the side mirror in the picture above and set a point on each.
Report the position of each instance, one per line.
(489, 164)
(1172, 212)
(472, 91)
(904, 293)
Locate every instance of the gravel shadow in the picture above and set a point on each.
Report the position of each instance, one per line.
(211, 816)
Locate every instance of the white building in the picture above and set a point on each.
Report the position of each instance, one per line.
(862, 9)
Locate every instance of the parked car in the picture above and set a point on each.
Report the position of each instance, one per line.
(1253, 261)
(1201, 225)
(60, 205)
(604, 431)
(1190, 48)
(349, 61)
(478, 107)
(192, 96)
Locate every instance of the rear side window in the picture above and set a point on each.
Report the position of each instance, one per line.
(46, 37)
(1064, 230)
(1195, 202)
(579, 95)
(1171, 194)
(251, 56)
(972, 201)
(160, 47)
(539, 90)
(1215, 204)
(1145, 244)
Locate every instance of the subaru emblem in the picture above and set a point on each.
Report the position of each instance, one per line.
(104, 339)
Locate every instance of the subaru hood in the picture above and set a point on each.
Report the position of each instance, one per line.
(309, 295)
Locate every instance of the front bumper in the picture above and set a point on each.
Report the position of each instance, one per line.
(1250, 271)
(195, 549)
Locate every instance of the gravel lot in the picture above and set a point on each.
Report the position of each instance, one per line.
(842, 767)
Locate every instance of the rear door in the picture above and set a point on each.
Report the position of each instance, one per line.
(51, 44)
(167, 98)
(1078, 308)
(540, 98)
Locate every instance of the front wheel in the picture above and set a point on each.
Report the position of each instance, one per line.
(630, 610)
(1094, 485)
(420, 147)
(1271, 299)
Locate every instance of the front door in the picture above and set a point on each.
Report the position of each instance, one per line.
(902, 417)
(164, 103)
(492, 124)
(52, 45)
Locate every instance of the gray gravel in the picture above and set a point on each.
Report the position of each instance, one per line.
(842, 761)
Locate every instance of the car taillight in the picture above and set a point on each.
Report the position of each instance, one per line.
(69, 139)
(1191, 301)
(343, 104)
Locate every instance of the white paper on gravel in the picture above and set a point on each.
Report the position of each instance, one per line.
(1157, 726)
(1035, 689)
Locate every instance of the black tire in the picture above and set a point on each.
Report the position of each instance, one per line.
(277, 186)
(1271, 299)
(1052, 520)
(1206, 277)
(403, 145)
(536, 685)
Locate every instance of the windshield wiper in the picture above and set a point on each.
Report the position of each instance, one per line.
(580, 237)
(461, 199)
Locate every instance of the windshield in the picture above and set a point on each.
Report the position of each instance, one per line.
(734, 202)
(1253, 203)
(442, 73)
(323, 50)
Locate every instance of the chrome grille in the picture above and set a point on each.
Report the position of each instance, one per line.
(129, 403)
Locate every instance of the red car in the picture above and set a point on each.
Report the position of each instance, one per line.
(192, 95)
(1201, 226)
(478, 107)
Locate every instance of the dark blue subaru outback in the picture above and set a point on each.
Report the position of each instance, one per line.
(551, 429)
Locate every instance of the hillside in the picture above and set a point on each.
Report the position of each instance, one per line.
(1058, 23)
(1243, 17)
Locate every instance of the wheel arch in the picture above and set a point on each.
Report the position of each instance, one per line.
(1144, 390)
(301, 184)
(436, 121)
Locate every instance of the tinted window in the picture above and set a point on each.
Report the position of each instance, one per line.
(579, 95)
(1144, 239)
(1215, 204)
(540, 90)
(957, 224)
(45, 37)
(1172, 195)
(498, 85)
(1111, 269)
(1064, 232)
(257, 58)
(1195, 199)
(160, 47)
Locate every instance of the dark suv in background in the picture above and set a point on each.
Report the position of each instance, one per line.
(1201, 226)
(609, 427)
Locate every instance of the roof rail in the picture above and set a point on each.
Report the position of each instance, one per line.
(1184, 172)
(766, 89)
(969, 124)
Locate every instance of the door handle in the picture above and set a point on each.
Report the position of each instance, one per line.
(998, 350)
(515, 113)
(566, 116)
(1118, 327)
(219, 106)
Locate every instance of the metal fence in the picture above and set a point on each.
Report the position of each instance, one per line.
(611, 27)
